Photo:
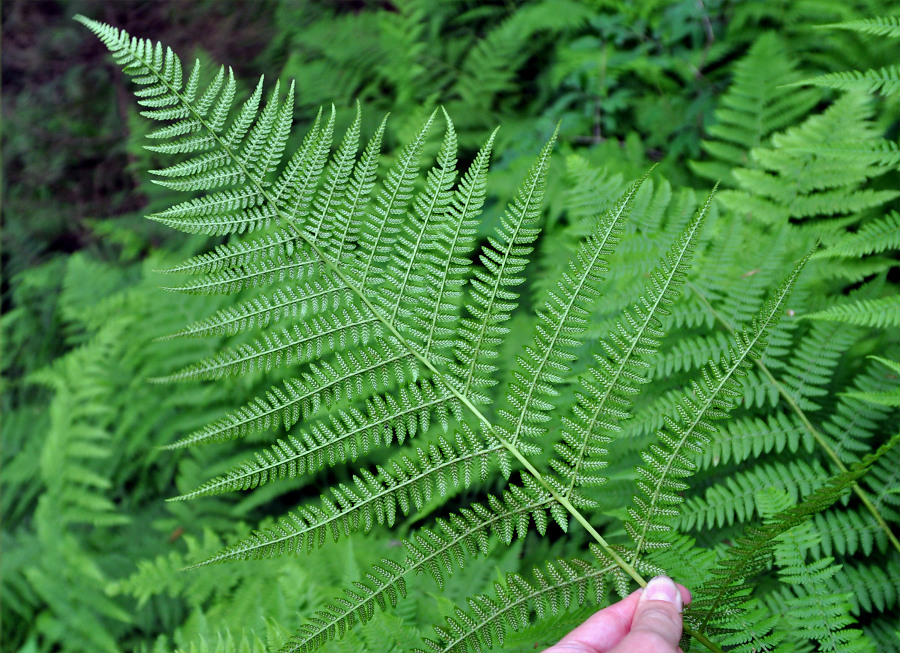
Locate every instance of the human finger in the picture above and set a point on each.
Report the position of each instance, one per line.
(602, 631)
(657, 624)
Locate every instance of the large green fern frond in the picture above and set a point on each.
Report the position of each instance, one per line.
(371, 330)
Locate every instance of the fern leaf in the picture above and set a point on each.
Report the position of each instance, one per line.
(311, 298)
(564, 316)
(346, 436)
(293, 346)
(885, 80)
(711, 397)
(376, 240)
(736, 498)
(453, 249)
(276, 244)
(344, 235)
(337, 178)
(555, 587)
(402, 486)
(491, 302)
(755, 106)
(632, 340)
(435, 551)
(881, 313)
(873, 237)
(412, 258)
(879, 26)
(817, 613)
(349, 375)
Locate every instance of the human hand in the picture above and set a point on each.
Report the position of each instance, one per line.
(645, 621)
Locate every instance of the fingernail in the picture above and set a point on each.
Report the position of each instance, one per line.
(662, 588)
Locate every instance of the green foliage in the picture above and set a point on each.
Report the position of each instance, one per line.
(458, 413)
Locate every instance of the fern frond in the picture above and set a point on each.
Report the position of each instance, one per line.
(401, 486)
(752, 552)
(789, 182)
(881, 313)
(616, 377)
(816, 612)
(491, 302)
(346, 436)
(435, 551)
(736, 498)
(814, 361)
(350, 375)
(711, 398)
(755, 106)
(555, 587)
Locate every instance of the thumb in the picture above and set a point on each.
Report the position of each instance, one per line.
(656, 625)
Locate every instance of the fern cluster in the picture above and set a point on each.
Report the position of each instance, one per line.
(380, 322)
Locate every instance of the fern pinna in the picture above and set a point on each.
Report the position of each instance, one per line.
(362, 293)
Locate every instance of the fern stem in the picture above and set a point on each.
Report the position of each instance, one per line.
(817, 437)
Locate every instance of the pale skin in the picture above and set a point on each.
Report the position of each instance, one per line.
(646, 621)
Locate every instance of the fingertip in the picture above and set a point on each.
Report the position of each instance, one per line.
(686, 596)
